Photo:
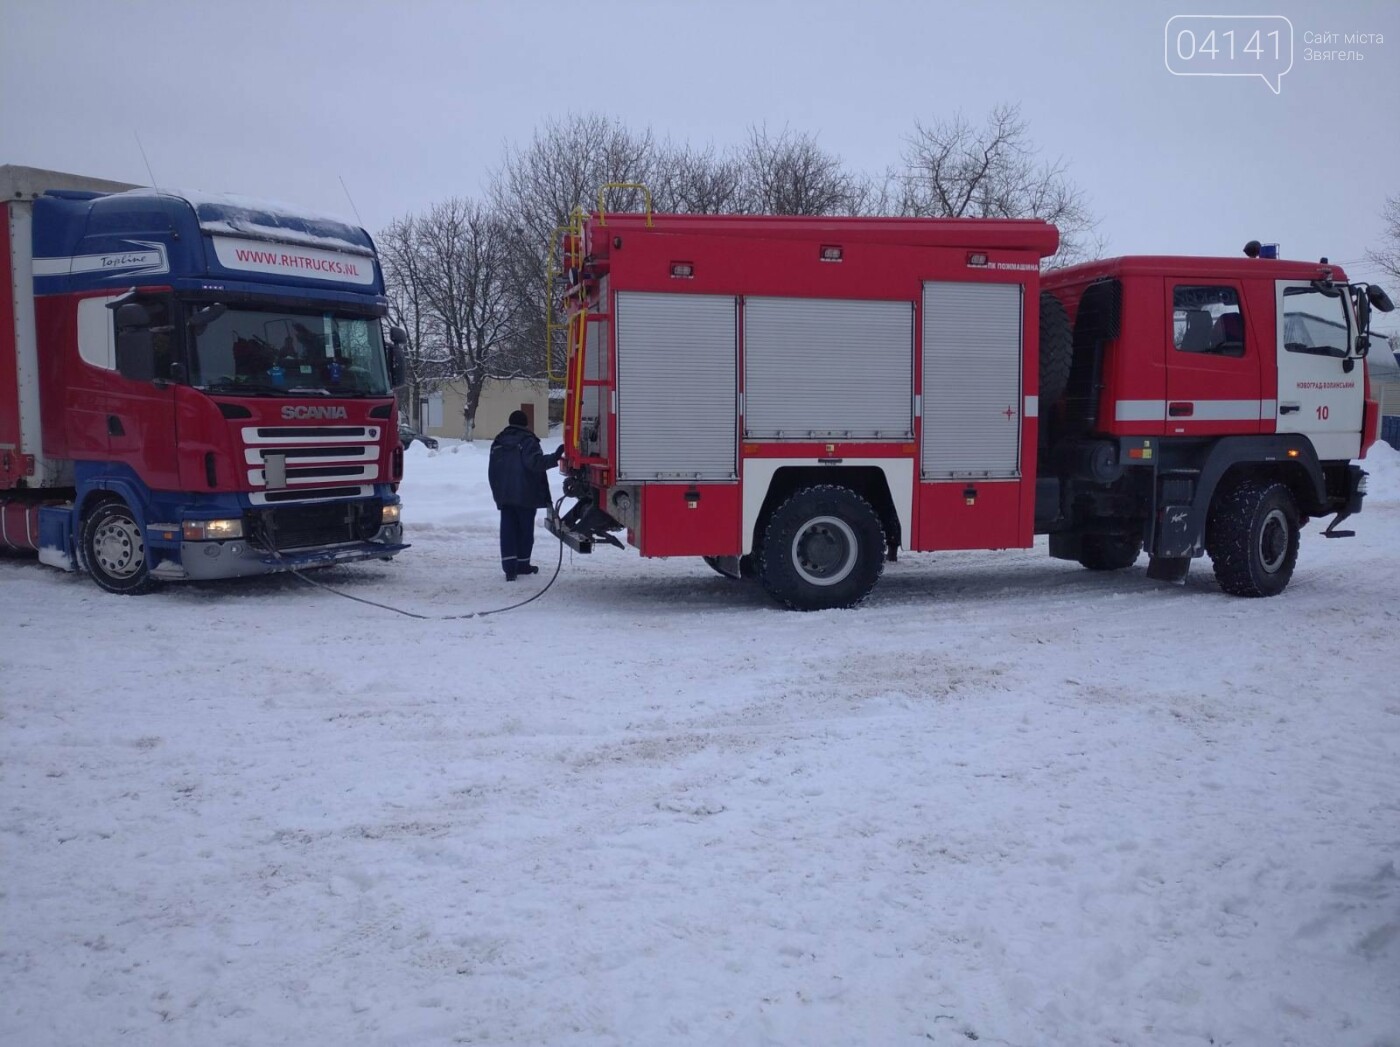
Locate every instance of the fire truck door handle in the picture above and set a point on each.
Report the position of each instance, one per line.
(114, 426)
(1289, 408)
(1181, 409)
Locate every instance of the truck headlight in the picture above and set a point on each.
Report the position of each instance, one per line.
(389, 515)
(211, 530)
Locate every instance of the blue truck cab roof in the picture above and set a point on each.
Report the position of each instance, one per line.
(86, 241)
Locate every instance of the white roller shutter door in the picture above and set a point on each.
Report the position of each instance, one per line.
(677, 378)
(971, 380)
(821, 368)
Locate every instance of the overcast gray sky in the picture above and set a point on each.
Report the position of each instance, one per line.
(412, 102)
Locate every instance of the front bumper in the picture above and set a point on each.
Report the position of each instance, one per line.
(237, 558)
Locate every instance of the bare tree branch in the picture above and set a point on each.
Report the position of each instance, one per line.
(1387, 257)
(697, 181)
(955, 170)
(448, 274)
(788, 173)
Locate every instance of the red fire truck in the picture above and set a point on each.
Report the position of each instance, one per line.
(191, 386)
(796, 399)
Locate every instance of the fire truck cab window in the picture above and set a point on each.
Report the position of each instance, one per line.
(1315, 322)
(1207, 320)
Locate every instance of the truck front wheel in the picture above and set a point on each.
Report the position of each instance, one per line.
(824, 547)
(114, 549)
(1252, 538)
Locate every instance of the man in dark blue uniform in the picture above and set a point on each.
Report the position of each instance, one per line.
(519, 485)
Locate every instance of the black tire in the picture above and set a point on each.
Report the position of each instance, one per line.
(1109, 552)
(824, 547)
(1252, 538)
(1056, 350)
(114, 550)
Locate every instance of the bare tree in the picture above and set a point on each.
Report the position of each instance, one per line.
(449, 278)
(697, 181)
(404, 287)
(953, 169)
(539, 186)
(1388, 257)
(564, 166)
(789, 174)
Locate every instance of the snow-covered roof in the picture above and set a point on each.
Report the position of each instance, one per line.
(228, 214)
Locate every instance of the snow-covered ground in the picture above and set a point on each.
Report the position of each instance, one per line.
(1008, 800)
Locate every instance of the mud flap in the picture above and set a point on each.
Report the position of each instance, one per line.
(1169, 568)
(1177, 532)
(56, 537)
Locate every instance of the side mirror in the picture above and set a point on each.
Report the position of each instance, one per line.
(1379, 299)
(398, 338)
(206, 316)
(136, 357)
(131, 315)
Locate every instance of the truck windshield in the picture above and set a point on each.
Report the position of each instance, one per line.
(256, 353)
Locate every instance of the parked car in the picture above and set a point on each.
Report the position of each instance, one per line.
(407, 434)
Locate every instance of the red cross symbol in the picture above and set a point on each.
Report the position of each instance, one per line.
(1010, 414)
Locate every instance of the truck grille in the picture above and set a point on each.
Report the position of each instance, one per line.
(302, 458)
(305, 526)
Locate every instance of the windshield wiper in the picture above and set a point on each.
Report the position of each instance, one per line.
(232, 388)
(229, 387)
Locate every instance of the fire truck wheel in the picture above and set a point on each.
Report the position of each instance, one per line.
(1056, 350)
(1252, 538)
(824, 547)
(114, 550)
(1109, 552)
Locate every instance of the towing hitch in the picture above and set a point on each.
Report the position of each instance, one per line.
(575, 540)
(581, 527)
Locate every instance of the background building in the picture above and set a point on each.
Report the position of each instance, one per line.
(441, 411)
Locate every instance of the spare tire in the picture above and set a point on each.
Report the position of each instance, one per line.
(1056, 350)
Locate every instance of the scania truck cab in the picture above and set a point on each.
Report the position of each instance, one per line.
(191, 386)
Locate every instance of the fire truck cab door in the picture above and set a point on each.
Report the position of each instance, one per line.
(1321, 383)
(1213, 359)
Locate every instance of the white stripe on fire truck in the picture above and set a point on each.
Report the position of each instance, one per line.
(1201, 410)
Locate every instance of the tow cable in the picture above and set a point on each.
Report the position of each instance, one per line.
(296, 572)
